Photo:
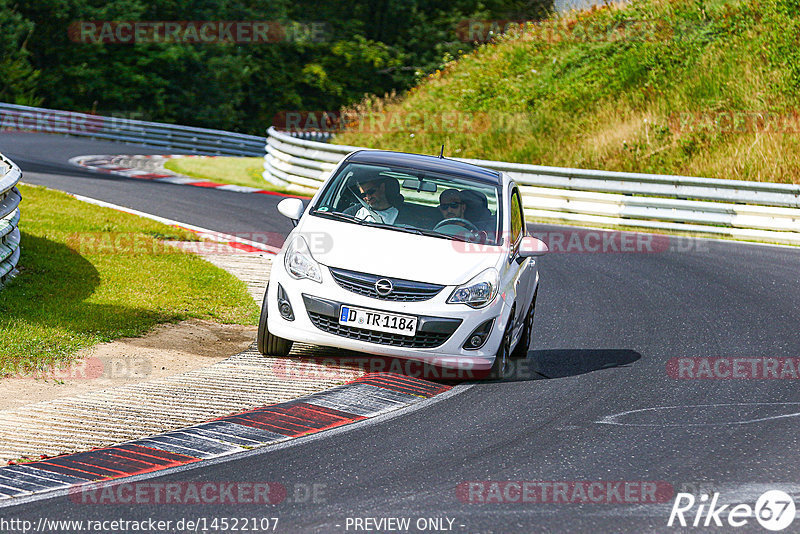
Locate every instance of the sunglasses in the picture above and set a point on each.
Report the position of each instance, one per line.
(451, 205)
(368, 193)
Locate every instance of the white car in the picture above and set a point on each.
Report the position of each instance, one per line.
(407, 256)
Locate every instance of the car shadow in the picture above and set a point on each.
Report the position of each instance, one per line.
(561, 363)
(539, 365)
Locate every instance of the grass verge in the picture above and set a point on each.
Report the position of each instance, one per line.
(687, 87)
(91, 274)
(225, 170)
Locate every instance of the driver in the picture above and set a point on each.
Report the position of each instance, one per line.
(450, 204)
(373, 192)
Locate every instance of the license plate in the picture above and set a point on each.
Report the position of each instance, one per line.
(379, 321)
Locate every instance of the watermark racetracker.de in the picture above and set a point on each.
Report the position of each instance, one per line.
(564, 492)
(68, 122)
(175, 493)
(567, 31)
(135, 243)
(92, 368)
(735, 122)
(589, 241)
(197, 31)
(571, 241)
(734, 368)
(411, 122)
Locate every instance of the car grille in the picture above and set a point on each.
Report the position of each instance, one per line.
(421, 340)
(402, 291)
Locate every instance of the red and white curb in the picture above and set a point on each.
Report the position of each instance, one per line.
(236, 242)
(151, 168)
(369, 396)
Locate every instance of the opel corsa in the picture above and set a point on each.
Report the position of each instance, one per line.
(407, 256)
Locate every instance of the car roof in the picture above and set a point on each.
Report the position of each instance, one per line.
(426, 163)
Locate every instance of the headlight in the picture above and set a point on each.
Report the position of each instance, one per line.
(300, 263)
(479, 291)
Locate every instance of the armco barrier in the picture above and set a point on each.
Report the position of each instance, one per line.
(9, 218)
(186, 139)
(732, 208)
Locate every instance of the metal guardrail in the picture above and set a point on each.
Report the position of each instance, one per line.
(10, 198)
(732, 208)
(186, 139)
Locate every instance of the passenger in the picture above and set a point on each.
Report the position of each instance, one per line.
(450, 204)
(453, 208)
(477, 210)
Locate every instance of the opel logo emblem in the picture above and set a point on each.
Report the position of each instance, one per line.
(383, 287)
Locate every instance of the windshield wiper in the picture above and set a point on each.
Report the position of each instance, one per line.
(340, 216)
(430, 233)
(349, 218)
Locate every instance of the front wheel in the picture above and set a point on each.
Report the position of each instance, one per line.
(501, 365)
(521, 350)
(268, 344)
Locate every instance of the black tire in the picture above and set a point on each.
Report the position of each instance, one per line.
(268, 344)
(521, 350)
(500, 367)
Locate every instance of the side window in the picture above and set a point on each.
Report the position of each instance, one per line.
(516, 216)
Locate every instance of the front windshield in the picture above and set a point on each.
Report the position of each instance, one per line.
(428, 203)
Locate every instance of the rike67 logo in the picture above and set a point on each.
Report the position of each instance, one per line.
(774, 510)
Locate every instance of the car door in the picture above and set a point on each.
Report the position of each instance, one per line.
(523, 273)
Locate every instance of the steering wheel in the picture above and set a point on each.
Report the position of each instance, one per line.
(459, 221)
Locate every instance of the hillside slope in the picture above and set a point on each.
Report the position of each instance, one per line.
(693, 87)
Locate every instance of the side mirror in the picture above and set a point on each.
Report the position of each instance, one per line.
(530, 247)
(291, 208)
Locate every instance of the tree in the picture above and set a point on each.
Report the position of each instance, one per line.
(19, 78)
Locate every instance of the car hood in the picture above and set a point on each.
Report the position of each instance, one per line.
(395, 254)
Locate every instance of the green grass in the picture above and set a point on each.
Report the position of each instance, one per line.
(225, 170)
(91, 274)
(691, 87)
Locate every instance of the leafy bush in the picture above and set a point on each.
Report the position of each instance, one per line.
(370, 47)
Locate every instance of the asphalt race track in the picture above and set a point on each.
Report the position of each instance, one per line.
(599, 398)
(44, 160)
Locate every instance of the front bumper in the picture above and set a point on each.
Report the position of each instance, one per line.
(442, 328)
(431, 331)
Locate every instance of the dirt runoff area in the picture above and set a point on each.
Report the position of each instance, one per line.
(167, 350)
